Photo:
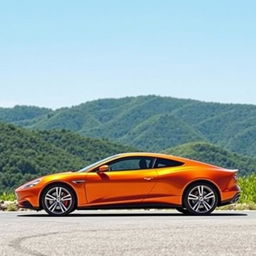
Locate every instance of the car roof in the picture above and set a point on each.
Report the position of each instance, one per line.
(172, 157)
(150, 154)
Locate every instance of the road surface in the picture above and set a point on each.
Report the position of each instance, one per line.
(124, 233)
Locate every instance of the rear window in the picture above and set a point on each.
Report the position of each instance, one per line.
(161, 163)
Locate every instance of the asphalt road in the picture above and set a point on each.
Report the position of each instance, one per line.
(128, 233)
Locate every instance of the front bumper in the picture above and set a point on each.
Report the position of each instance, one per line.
(28, 198)
(27, 205)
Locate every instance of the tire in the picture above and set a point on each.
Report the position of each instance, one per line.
(200, 198)
(182, 210)
(58, 200)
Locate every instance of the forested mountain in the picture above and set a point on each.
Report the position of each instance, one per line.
(212, 154)
(26, 154)
(150, 123)
(23, 115)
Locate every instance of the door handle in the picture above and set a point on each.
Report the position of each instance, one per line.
(148, 178)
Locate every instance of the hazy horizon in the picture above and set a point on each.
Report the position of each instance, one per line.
(68, 106)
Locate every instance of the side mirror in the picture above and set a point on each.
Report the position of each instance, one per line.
(103, 168)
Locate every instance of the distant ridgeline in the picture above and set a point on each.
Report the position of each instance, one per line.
(149, 123)
(221, 134)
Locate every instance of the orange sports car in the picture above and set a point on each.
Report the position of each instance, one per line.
(134, 180)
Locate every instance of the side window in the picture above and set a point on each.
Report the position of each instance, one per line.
(161, 163)
(131, 163)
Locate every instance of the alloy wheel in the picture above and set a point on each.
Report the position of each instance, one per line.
(201, 199)
(58, 200)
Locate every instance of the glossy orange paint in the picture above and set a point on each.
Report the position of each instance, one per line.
(153, 186)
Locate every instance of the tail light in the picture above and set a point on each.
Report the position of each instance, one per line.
(235, 176)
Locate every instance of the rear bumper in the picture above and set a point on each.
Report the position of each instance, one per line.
(232, 200)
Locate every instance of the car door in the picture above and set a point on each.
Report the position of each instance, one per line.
(129, 180)
(169, 182)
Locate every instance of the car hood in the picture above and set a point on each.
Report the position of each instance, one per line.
(57, 175)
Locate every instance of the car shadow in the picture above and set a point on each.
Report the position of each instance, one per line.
(135, 214)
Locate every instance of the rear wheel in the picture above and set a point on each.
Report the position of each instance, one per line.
(58, 200)
(200, 198)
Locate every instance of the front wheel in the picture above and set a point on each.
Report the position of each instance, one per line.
(200, 198)
(58, 200)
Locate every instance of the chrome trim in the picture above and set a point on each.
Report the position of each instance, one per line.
(148, 178)
(78, 181)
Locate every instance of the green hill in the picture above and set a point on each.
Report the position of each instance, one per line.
(144, 135)
(149, 122)
(88, 150)
(23, 115)
(26, 154)
(208, 153)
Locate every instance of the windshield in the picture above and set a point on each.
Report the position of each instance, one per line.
(97, 163)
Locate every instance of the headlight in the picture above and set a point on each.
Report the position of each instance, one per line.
(31, 183)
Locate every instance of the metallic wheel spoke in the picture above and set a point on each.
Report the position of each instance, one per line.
(66, 198)
(58, 191)
(209, 195)
(53, 206)
(50, 197)
(53, 209)
(63, 207)
(206, 205)
(196, 206)
(192, 197)
(200, 190)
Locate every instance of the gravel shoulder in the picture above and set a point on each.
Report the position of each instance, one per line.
(124, 232)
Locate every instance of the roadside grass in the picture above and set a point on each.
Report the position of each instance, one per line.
(248, 196)
(239, 206)
(8, 202)
(7, 196)
(246, 202)
(248, 187)
(12, 207)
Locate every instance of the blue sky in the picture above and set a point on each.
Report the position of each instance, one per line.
(62, 53)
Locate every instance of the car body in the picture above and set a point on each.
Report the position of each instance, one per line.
(134, 180)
